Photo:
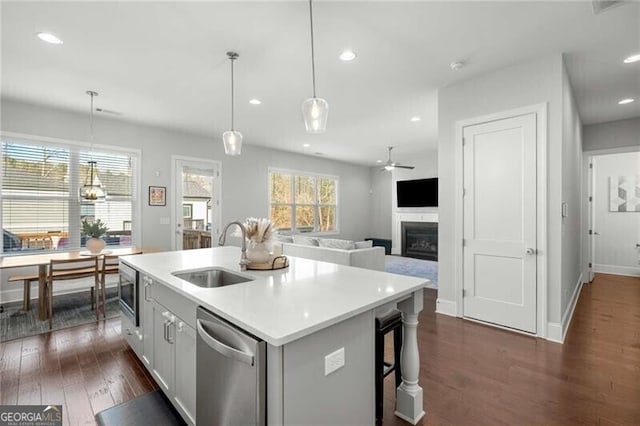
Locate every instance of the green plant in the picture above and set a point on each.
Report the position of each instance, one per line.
(94, 229)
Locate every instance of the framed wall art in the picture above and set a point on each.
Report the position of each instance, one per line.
(157, 195)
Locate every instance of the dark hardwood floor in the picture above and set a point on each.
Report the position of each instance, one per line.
(476, 374)
(471, 373)
(86, 369)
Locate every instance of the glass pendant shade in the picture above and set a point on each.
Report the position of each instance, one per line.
(92, 190)
(232, 140)
(315, 112)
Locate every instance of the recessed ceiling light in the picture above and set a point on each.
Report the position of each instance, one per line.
(348, 55)
(306, 145)
(49, 38)
(626, 101)
(633, 58)
(255, 101)
(378, 161)
(415, 119)
(456, 65)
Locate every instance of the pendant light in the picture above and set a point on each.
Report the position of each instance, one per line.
(314, 110)
(92, 190)
(232, 139)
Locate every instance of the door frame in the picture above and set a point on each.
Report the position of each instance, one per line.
(589, 184)
(217, 189)
(541, 207)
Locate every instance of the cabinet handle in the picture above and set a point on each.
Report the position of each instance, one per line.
(165, 331)
(170, 338)
(146, 287)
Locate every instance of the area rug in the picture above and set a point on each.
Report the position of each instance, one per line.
(68, 310)
(413, 267)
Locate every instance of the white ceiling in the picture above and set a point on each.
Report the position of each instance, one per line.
(164, 63)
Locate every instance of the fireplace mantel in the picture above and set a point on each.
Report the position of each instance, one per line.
(408, 217)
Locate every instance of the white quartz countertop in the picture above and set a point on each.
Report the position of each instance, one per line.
(283, 305)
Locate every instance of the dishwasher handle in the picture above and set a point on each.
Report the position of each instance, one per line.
(220, 347)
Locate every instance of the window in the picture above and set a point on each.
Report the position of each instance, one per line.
(303, 202)
(39, 195)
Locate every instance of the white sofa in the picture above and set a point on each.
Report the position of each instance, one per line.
(369, 258)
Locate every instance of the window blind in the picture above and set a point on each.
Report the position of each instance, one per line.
(39, 195)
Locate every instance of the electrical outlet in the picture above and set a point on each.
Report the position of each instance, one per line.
(333, 361)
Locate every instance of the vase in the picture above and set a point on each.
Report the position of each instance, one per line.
(95, 245)
(258, 252)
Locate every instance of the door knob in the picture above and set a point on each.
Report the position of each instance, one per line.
(531, 251)
(638, 245)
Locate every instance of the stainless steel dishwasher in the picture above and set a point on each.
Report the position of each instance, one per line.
(231, 374)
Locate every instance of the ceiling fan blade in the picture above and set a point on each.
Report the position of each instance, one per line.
(405, 167)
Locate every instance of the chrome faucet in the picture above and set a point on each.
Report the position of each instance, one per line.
(223, 236)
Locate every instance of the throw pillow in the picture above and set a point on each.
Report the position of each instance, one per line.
(336, 243)
(364, 244)
(305, 241)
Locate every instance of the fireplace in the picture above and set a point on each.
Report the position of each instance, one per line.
(420, 240)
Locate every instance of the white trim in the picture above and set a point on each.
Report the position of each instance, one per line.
(446, 307)
(554, 332)
(15, 294)
(216, 196)
(628, 271)
(589, 251)
(396, 237)
(295, 173)
(558, 331)
(541, 200)
(136, 213)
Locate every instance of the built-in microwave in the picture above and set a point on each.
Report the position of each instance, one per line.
(128, 293)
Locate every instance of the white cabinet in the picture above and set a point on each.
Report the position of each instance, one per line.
(163, 351)
(169, 345)
(185, 369)
(146, 320)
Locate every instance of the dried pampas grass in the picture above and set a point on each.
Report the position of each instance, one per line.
(259, 229)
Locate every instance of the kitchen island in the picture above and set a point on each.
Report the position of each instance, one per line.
(305, 314)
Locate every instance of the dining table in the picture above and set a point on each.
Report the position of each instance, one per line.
(42, 261)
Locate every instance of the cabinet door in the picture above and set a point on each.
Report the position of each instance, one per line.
(185, 368)
(146, 319)
(163, 351)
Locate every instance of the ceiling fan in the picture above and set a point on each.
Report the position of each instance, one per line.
(390, 165)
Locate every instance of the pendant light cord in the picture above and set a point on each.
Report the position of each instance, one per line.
(232, 105)
(313, 66)
(91, 134)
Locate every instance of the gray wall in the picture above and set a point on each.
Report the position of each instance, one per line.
(573, 260)
(244, 178)
(613, 134)
(517, 86)
(383, 191)
(381, 203)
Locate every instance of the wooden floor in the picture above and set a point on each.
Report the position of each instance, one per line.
(474, 374)
(86, 369)
(471, 374)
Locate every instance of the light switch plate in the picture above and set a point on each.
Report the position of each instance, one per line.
(333, 361)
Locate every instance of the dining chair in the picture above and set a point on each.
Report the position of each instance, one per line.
(72, 269)
(110, 266)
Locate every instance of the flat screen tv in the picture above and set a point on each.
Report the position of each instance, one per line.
(417, 193)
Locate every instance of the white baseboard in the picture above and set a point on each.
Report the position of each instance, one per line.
(556, 332)
(617, 270)
(446, 307)
(16, 294)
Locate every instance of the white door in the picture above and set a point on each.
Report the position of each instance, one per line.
(499, 248)
(615, 213)
(197, 203)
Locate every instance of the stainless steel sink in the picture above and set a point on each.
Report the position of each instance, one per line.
(212, 277)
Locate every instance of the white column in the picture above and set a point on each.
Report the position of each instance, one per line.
(409, 394)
